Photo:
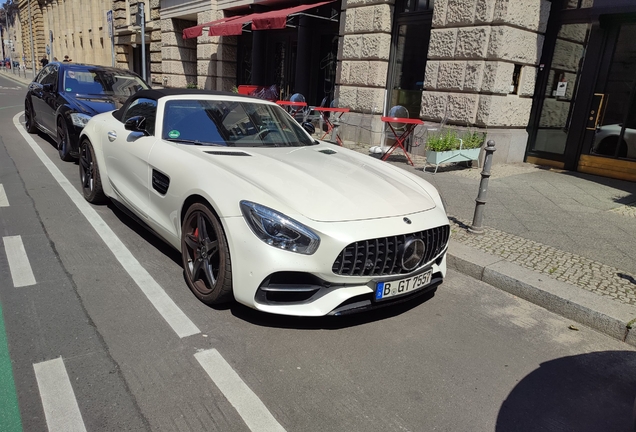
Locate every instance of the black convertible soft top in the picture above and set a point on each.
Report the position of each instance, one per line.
(156, 94)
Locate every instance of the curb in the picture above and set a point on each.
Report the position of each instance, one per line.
(602, 314)
(12, 77)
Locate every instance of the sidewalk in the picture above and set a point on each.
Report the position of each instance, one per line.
(24, 77)
(563, 240)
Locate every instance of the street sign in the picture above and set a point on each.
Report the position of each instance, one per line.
(109, 21)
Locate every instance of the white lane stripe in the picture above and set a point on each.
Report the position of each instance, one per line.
(180, 323)
(19, 265)
(255, 414)
(58, 399)
(4, 202)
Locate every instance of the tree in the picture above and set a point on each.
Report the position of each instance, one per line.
(10, 7)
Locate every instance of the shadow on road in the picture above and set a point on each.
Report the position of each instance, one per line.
(587, 392)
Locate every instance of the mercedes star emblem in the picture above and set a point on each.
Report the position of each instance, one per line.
(413, 253)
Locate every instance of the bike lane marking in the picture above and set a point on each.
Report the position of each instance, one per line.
(251, 409)
(19, 265)
(10, 420)
(167, 308)
(58, 399)
(4, 201)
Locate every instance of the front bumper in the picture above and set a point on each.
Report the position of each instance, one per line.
(255, 265)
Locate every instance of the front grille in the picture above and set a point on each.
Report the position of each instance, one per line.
(381, 256)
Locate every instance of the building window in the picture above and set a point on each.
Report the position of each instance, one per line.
(414, 6)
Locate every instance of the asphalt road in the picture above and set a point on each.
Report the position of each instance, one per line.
(88, 349)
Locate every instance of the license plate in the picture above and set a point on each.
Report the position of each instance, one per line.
(384, 290)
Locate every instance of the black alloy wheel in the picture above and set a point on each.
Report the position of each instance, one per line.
(29, 123)
(206, 256)
(89, 174)
(63, 145)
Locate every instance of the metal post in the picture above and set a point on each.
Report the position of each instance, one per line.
(32, 46)
(478, 219)
(143, 41)
(10, 46)
(111, 35)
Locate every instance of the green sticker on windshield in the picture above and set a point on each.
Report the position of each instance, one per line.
(68, 89)
(174, 134)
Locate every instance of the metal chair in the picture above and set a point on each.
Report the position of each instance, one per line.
(388, 137)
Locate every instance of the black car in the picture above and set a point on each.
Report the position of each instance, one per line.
(64, 96)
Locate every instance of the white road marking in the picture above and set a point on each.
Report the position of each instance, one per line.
(180, 323)
(4, 202)
(255, 414)
(58, 399)
(19, 265)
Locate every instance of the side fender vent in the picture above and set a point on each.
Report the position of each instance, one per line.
(327, 151)
(160, 182)
(227, 153)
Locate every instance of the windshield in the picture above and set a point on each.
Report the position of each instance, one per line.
(99, 82)
(231, 123)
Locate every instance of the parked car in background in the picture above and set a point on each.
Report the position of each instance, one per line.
(261, 211)
(64, 96)
(606, 141)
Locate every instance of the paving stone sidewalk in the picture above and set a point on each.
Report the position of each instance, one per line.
(572, 227)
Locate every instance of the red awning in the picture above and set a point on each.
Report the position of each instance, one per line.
(233, 26)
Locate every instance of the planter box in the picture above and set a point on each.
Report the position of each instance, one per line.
(436, 158)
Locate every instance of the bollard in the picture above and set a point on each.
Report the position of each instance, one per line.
(478, 219)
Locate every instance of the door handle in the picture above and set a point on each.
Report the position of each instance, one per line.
(112, 136)
(597, 111)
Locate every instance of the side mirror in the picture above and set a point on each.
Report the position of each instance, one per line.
(47, 87)
(136, 124)
(309, 127)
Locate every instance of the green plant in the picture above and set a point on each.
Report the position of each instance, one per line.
(235, 89)
(447, 141)
(191, 86)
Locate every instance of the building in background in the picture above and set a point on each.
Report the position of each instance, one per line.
(550, 81)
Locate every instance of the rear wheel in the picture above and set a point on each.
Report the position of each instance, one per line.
(63, 145)
(206, 256)
(89, 174)
(29, 123)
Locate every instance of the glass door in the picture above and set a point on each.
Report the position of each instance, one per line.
(611, 124)
(556, 105)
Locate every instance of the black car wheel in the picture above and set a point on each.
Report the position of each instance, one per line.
(29, 123)
(206, 256)
(89, 174)
(63, 145)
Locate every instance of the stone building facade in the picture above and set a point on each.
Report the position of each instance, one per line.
(475, 64)
(76, 28)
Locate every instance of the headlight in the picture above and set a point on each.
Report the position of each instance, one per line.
(79, 119)
(278, 230)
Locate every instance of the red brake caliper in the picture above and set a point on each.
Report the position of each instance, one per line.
(196, 236)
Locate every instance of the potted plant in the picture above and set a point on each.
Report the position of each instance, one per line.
(446, 147)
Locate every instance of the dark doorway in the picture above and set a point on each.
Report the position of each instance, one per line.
(410, 38)
(137, 61)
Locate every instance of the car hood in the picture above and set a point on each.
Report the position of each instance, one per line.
(323, 183)
(97, 104)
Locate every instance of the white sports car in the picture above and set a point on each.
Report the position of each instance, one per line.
(260, 210)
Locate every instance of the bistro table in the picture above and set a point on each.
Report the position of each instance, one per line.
(325, 118)
(400, 138)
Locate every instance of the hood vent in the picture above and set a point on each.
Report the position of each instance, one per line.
(227, 153)
(327, 151)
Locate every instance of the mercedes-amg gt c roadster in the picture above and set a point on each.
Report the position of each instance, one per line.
(261, 211)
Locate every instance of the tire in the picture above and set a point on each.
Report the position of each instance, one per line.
(206, 256)
(29, 123)
(89, 174)
(63, 144)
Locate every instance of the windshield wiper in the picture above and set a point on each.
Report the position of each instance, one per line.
(193, 142)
